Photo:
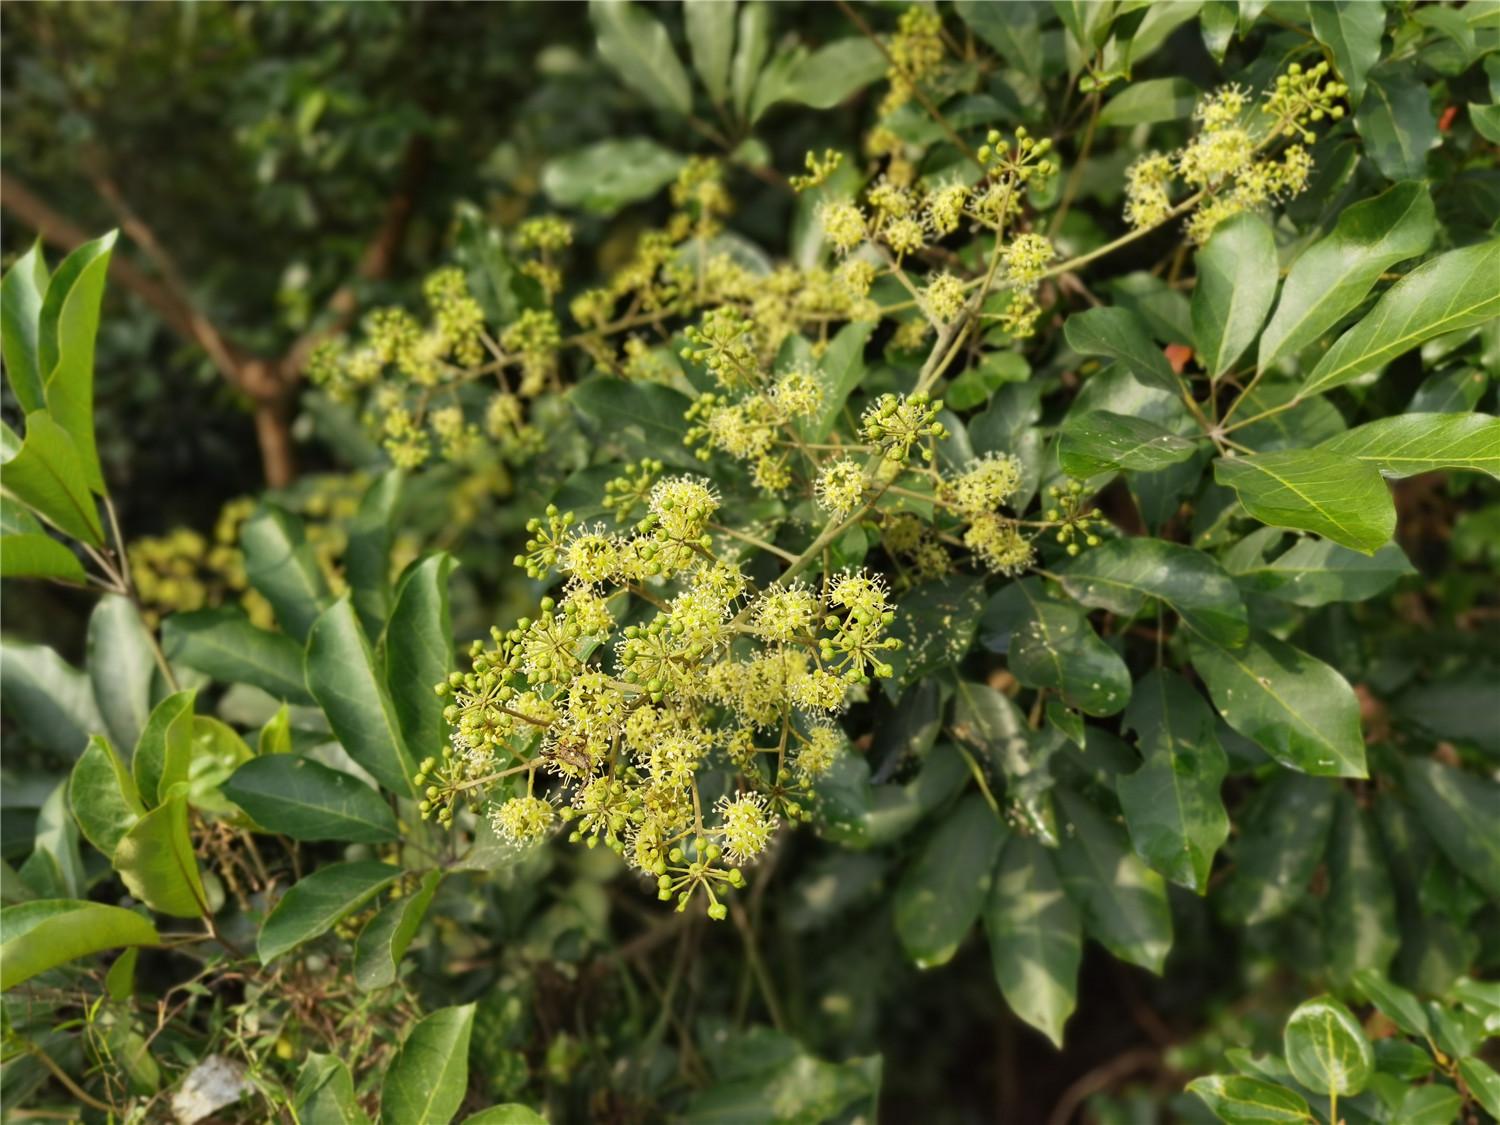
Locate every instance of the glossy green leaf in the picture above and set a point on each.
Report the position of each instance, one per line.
(218, 751)
(50, 701)
(384, 940)
(155, 859)
(21, 292)
(1406, 444)
(1460, 811)
(1326, 1048)
(419, 653)
(1050, 644)
(47, 472)
(1297, 709)
(1123, 902)
(1150, 101)
(1314, 572)
(103, 796)
(827, 76)
(1101, 442)
(1012, 29)
(342, 677)
(324, 1094)
(646, 419)
(1395, 1003)
(1452, 291)
(222, 643)
(164, 753)
(638, 47)
(55, 869)
(1335, 496)
(46, 933)
(992, 725)
(304, 799)
(1396, 121)
(1120, 574)
(710, 35)
(429, 1076)
(1430, 1105)
(510, 1114)
(1483, 1082)
(121, 666)
(1172, 806)
(1241, 1100)
(1450, 391)
(67, 327)
(1236, 284)
(281, 565)
(751, 45)
(315, 904)
(935, 623)
(1035, 935)
(276, 736)
(1282, 839)
(1333, 275)
(1360, 929)
(367, 560)
(840, 370)
(1121, 334)
(942, 892)
(1351, 29)
(35, 554)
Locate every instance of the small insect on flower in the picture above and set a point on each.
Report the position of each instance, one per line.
(747, 827)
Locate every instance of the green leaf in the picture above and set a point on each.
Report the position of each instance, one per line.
(50, 701)
(1327, 1049)
(1314, 572)
(1050, 644)
(1396, 122)
(1336, 496)
(989, 722)
(55, 869)
(1120, 574)
(1293, 706)
(35, 554)
(1360, 927)
(975, 386)
(1240, 1100)
(384, 940)
(281, 565)
(1483, 1082)
(827, 76)
(1395, 1003)
(1448, 293)
(21, 293)
(1351, 29)
(47, 472)
(155, 860)
(1012, 29)
(315, 904)
(121, 666)
(1429, 1105)
(1218, 23)
(710, 35)
(218, 751)
(67, 327)
(223, 644)
(752, 43)
(1121, 334)
(1486, 121)
(1460, 811)
(1123, 902)
(640, 50)
(103, 796)
(276, 736)
(1450, 391)
(164, 753)
(1282, 840)
(306, 800)
(1155, 99)
(429, 1076)
(46, 933)
(1406, 444)
(419, 653)
(1333, 275)
(943, 890)
(1172, 806)
(840, 369)
(1101, 442)
(367, 561)
(935, 623)
(511, 1113)
(1236, 284)
(1036, 937)
(645, 419)
(342, 677)
(325, 1093)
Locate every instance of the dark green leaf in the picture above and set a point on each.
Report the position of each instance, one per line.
(164, 753)
(1123, 902)
(639, 48)
(710, 35)
(120, 667)
(46, 933)
(1326, 1048)
(1360, 928)
(66, 329)
(281, 565)
(1120, 334)
(419, 653)
(306, 800)
(990, 723)
(942, 891)
(1449, 392)
(1333, 275)
(1050, 644)
(608, 175)
(429, 1076)
(367, 561)
(21, 293)
(1119, 574)
(384, 940)
(1351, 29)
(50, 701)
(1406, 444)
(935, 624)
(1398, 1005)
(1460, 810)
(55, 869)
(1282, 841)
(1396, 122)
(103, 796)
(1293, 706)
(155, 860)
(314, 905)
(1036, 937)
(1336, 496)
(751, 45)
(1012, 29)
(1483, 1082)
(223, 644)
(325, 1093)
(1171, 803)
(1239, 1100)
(1102, 442)
(1150, 101)
(47, 473)
(1314, 572)
(1236, 284)
(646, 419)
(342, 677)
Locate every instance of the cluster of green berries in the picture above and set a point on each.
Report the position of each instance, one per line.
(896, 423)
(1076, 521)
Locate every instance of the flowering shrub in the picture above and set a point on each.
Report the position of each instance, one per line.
(1034, 542)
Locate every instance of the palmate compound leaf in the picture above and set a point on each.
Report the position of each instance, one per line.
(1326, 1048)
(1297, 709)
(1337, 496)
